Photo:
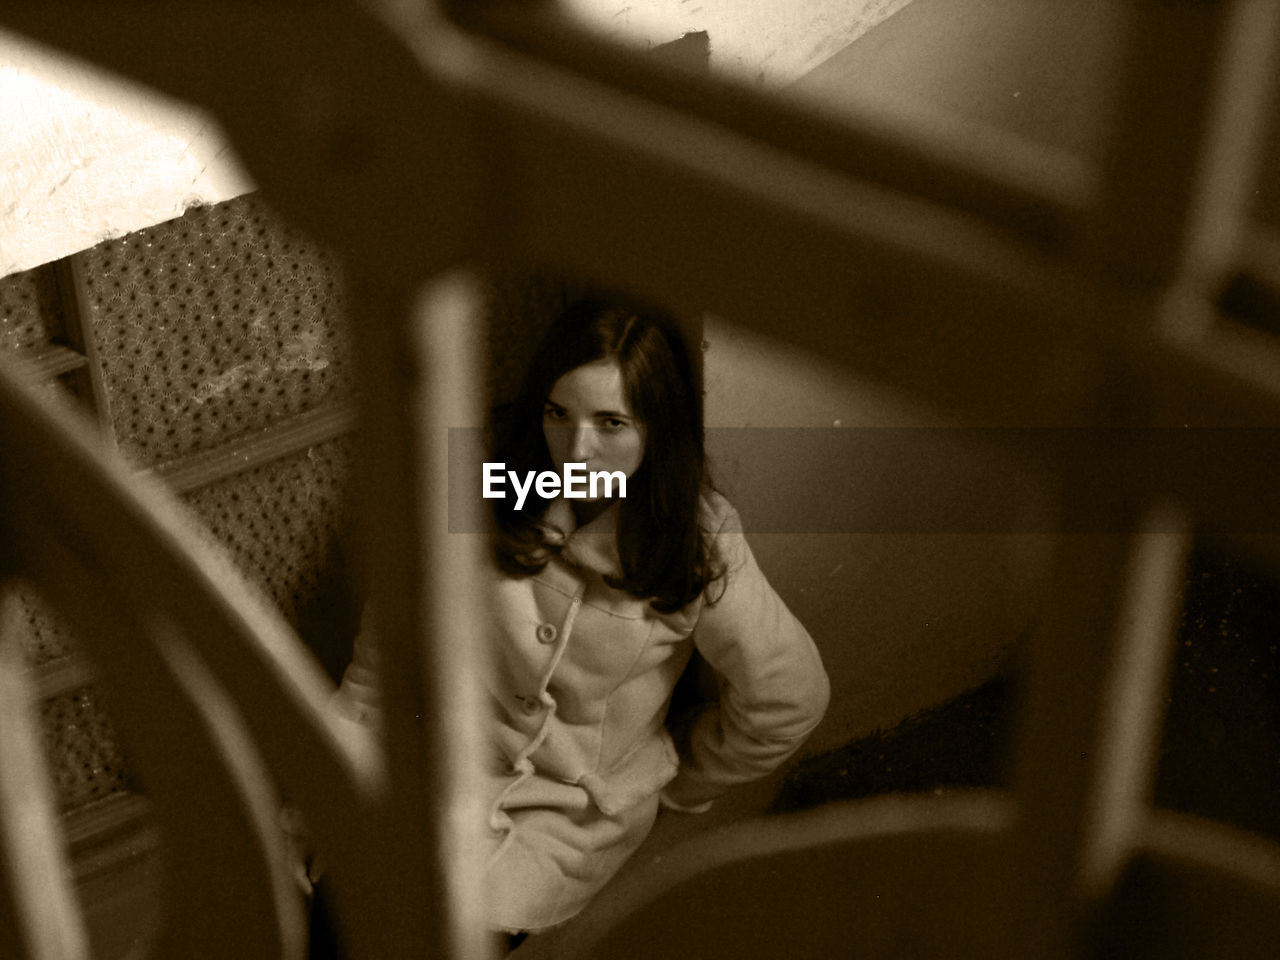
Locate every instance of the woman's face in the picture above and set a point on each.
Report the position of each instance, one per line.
(588, 419)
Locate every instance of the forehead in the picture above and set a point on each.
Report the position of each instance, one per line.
(592, 387)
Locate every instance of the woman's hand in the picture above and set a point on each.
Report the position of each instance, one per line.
(306, 868)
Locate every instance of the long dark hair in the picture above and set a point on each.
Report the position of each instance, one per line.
(664, 553)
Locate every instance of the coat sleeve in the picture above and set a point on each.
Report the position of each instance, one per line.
(773, 688)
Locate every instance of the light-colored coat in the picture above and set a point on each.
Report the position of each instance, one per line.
(582, 676)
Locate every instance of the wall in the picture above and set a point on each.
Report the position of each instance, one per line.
(759, 41)
(88, 157)
(1039, 69)
(905, 619)
(831, 477)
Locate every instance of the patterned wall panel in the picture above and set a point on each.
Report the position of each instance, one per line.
(211, 327)
(85, 760)
(83, 754)
(30, 315)
(214, 325)
(283, 524)
(44, 638)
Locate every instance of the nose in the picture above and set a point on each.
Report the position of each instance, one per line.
(582, 444)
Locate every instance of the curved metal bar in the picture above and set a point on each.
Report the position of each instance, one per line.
(71, 512)
(918, 875)
(228, 893)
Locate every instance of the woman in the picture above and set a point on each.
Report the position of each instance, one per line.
(597, 605)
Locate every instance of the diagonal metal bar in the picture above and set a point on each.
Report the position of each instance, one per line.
(1035, 193)
(63, 494)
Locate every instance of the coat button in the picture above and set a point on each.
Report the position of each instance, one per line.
(547, 633)
(530, 705)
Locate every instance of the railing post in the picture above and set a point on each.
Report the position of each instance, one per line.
(1091, 716)
(420, 377)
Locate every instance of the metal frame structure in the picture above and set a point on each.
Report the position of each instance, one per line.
(1013, 288)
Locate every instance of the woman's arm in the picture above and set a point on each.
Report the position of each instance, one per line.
(773, 688)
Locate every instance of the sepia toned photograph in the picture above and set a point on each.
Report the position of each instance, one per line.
(677, 479)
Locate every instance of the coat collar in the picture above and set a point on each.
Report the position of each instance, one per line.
(593, 546)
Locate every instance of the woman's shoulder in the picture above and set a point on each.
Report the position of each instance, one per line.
(716, 514)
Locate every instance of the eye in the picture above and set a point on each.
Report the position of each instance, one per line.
(613, 424)
(552, 412)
